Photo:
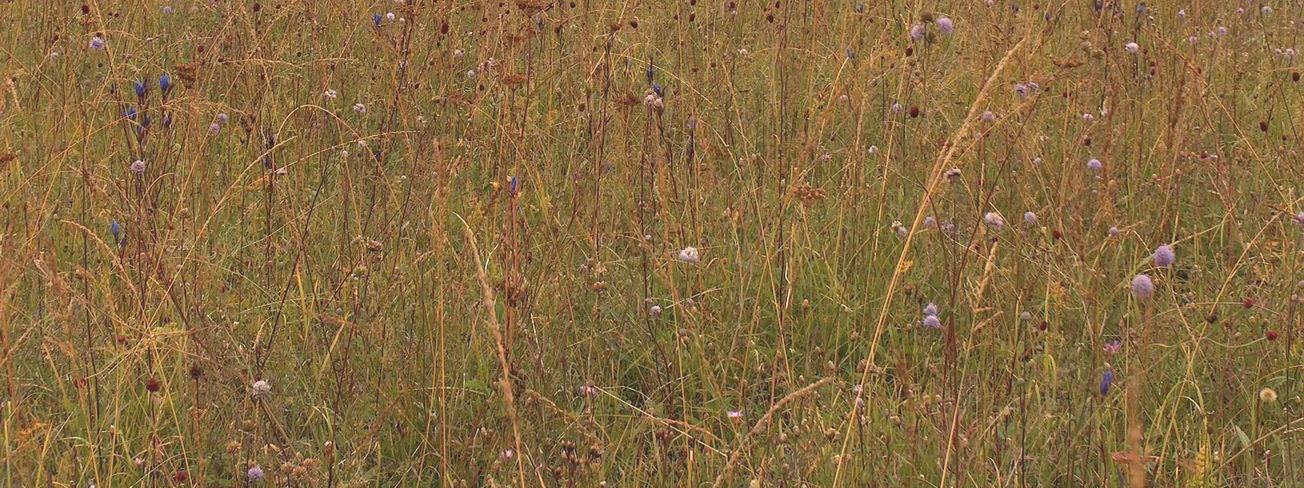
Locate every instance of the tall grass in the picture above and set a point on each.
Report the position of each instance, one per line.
(689, 243)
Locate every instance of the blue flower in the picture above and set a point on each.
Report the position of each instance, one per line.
(656, 87)
(130, 113)
(140, 88)
(376, 18)
(165, 83)
(515, 181)
(651, 73)
(115, 228)
(1106, 380)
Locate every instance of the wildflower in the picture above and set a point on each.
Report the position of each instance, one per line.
(223, 118)
(1114, 232)
(930, 310)
(1299, 218)
(1164, 256)
(988, 116)
(376, 19)
(1181, 14)
(657, 89)
(458, 53)
(994, 220)
(255, 474)
(588, 390)
(930, 222)
(140, 89)
(1025, 316)
(115, 229)
(1036, 160)
(152, 385)
(901, 230)
(1266, 10)
(1222, 31)
(1267, 395)
(917, 31)
(896, 107)
(137, 167)
(470, 74)
(1106, 380)
(165, 83)
(360, 108)
(389, 16)
(1088, 117)
(167, 10)
(851, 54)
(952, 174)
(261, 389)
(1113, 347)
(1132, 47)
(1094, 164)
(1030, 217)
(873, 150)
(945, 25)
(1192, 39)
(655, 311)
(330, 93)
(1021, 89)
(932, 322)
(689, 255)
(97, 43)
(1271, 335)
(734, 415)
(508, 453)
(1142, 286)
(214, 128)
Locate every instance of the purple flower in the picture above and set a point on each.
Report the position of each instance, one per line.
(1164, 256)
(1132, 47)
(255, 474)
(97, 43)
(930, 310)
(994, 220)
(214, 128)
(165, 83)
(945, 25)
(989, 116)
(376, 19)
(137, 167)
(1299, 218)
(1106, 380)
(1142, 287)
(1114, 232)
(1113, 347)
(896, 107)
(932, 322)
(1021, 89)
(917, 31)
(140, 88)
(1095, 164)
(1030, 217)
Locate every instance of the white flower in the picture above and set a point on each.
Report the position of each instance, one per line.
(331, 93)
(261, 388)
(359, 108)
(1132, 47)
(689, 255)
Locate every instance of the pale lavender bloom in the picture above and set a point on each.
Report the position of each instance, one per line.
(917, 31)
(214, 128)
(1021, 89)
(689, 255)
(137, 167)
(945, 25)
(1266, 10)
(655, 311)
(734, 415)
(1142, 286)
(97, 43)
(331, 93)
(896, 107)
(1132, 47)
(359, 108)
(261, 389)
(930, 222)
(1036, 160)
(1192, 39)
(254, 475)
(1030, 217)
(1094, 164)
(1088, 117)
(873, 150)
(1299, 218)
(930, 310)
(1222, 31)
(952, 174)
(1113, 347)
(932, 322)
(223, 118)
(994, 220)
(988, 116)
(1181, 13)
(1164, 256)
(1114, 232)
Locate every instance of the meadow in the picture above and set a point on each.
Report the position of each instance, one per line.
(651, 243)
